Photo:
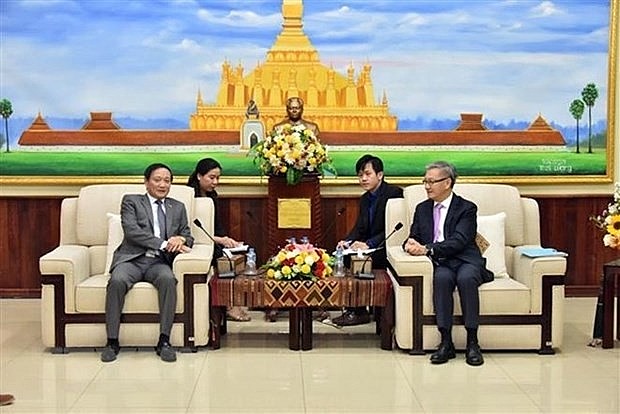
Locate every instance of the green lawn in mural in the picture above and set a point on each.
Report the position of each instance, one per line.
(408, 163)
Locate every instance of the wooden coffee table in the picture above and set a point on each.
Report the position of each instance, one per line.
(301, 298)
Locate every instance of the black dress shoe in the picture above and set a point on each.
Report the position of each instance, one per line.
(271, 315)
(166, 352)
(110, 352)
(473, 356)
(444, 353)
(350, 318)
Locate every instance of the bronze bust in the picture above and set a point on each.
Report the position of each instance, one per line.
(294, 111)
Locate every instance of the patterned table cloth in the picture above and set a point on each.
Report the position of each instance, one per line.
(255, 291)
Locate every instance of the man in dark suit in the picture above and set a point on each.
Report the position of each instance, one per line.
(155, 230)
(369, 229)
(444, 228)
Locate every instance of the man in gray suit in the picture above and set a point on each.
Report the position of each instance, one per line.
(156, 230)
(444, 228)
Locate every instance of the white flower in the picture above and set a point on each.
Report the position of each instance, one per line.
(292, 146)
(608, 220)
(610, 241)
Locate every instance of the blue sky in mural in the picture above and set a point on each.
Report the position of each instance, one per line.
(509, 59)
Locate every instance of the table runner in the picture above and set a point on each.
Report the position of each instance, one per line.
(255, 291)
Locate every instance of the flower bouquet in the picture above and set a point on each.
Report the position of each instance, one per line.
(291, 150)
(609, 221)
(299, 262)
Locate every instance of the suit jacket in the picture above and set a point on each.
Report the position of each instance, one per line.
(374, 233)
(460, 230)
(137, 222)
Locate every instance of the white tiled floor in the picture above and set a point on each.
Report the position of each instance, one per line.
(346, 372)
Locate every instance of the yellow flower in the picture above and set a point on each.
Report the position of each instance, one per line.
(293, 145)
(613, 225)
(309, 263)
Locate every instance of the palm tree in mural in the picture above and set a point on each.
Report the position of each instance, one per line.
(576, 110)
(6, 110)
(589, 95)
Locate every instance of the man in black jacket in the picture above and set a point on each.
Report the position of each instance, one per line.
(444, 228)
(369, 229)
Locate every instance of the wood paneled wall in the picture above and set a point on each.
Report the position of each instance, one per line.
(30, 228)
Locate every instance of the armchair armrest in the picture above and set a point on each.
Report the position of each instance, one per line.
(407, 265)
(197, 261)
(73, 262)
(530, 272)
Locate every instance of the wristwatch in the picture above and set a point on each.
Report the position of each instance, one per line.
(429, 250)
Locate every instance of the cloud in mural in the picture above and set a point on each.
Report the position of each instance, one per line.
(506, 59)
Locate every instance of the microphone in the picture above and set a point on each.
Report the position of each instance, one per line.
(333, 223)
(223, 275)
(361, 274)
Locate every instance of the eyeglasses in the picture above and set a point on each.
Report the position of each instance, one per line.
(431, 181)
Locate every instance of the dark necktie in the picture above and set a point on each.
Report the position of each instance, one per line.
(372, 203)
(161, 217)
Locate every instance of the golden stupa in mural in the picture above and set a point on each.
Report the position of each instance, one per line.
(292, 68)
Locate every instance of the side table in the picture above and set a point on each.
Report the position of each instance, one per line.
(611, 288)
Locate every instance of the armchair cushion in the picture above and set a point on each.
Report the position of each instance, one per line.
(492, 229)
(115, 238)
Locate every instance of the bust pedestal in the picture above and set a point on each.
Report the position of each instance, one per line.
(293, 211)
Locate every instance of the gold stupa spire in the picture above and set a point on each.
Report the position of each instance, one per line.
(292, 38)
(292, 67)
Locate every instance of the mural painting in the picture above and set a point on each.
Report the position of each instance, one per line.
(508, 91)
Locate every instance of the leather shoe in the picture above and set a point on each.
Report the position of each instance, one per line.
(444, 353)
(110, 352)
(350, 318)
(473, 356)
(271, 315)
(6, 399)
(166, 352)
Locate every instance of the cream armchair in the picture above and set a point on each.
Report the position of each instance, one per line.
(522, 309)
(74, 276)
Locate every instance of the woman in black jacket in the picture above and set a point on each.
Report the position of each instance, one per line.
(204, 180)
